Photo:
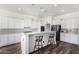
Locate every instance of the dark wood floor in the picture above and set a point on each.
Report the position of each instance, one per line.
(60, 48)
(11, 49)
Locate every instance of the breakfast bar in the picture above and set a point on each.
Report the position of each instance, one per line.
(30, 37)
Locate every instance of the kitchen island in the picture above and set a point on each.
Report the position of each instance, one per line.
(29, 41)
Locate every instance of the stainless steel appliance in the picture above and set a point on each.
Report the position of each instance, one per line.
(56, 28)
(42, 28)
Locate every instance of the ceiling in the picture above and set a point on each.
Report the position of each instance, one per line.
(41, 9)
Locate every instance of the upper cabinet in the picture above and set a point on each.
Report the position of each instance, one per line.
(27, 22)
(3, 22)
(19, 23)
(33, 23)
(10, 22)
(46, 20)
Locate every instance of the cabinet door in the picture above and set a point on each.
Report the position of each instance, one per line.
(0, 22)
(31, 43)
(11, 23)
(17, 38)
(27, 23)
(4, 22)
(3, 40)
(19, 23)
(62, 36)
(25, 44)
(15, 23)
(10, 39)
(1, 44)
(74, 39)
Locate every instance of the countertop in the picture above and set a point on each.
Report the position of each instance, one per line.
(40, 32)
(70, 32)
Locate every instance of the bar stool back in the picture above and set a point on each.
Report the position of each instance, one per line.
(51, 39)
(38, 43)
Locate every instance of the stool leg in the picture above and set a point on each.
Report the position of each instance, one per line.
(38, 48)
(35, 46)
(42, 47)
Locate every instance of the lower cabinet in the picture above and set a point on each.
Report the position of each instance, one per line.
(3, 40)
(70, 38)
(9, 39)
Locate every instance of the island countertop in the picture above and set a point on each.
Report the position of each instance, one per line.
(50, 32)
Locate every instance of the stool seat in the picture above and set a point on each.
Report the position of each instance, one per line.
(38, 40)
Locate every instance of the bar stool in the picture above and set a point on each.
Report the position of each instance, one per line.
(51, 39)
(38, 43)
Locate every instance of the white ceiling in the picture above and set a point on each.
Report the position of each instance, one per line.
(34, 9)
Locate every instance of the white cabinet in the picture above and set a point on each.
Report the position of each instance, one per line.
(34, 24)
(4, 22)
(27, 22)
(55, 22)
(11, 23)
(3, 40)
(70, 37)
(15, 23)
(17, 38)
(9, 39)
(65, 37)
(25, 43)
(31, 43)
(14, 38)
(0, 22)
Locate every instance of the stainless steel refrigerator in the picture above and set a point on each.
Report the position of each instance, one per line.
(56, 28)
